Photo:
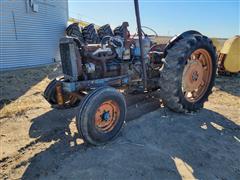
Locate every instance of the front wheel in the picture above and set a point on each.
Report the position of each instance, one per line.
(50, 94)
(101, 115)
(189, 73)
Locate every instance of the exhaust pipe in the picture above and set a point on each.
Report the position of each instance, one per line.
(141, 44)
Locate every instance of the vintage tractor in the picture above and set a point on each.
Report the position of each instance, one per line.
(96, 76)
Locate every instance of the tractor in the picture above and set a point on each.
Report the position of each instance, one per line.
(101, 66)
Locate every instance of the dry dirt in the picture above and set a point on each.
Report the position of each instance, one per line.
(40, 142)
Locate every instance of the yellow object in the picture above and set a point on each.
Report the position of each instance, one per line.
(232, 50)
(80, 22)
(217, 44)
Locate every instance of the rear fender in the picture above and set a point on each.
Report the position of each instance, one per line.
(179, 37)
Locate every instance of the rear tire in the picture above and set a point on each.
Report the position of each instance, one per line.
(74, 30)
(178, 77)
(90, 35)
(104, 31)
(101, 115)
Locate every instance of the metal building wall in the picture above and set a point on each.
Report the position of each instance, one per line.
(30, 31)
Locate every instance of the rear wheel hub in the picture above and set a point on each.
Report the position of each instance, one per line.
(197, 75)
(193, 75)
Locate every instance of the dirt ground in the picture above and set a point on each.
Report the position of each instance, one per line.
(38, 142)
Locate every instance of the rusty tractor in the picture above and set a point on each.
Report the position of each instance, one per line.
(99, 67)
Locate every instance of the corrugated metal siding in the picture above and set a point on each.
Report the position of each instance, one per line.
(30, 38)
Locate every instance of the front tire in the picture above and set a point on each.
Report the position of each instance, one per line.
(70, 100)
(188, 75)
(101, 115)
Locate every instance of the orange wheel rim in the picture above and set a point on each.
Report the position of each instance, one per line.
(107, 115)
(197, 75)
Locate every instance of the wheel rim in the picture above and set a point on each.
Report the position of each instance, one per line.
(107, 115)
(197, 75)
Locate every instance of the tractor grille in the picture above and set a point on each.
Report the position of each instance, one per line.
(66, 59)
(69, 58)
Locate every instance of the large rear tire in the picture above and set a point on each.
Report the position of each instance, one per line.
(101, 115)
(74, 30)
(188, 75)
(90, 35)
(104, 31)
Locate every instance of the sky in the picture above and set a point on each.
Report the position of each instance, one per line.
(167, 17)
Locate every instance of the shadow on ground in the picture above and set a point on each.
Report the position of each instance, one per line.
(15, 83)
(160, 145)
(229, 84)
